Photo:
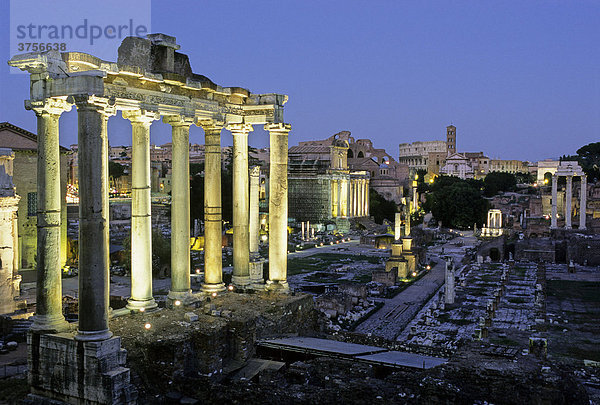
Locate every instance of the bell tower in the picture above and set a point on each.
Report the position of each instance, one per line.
(451, 139)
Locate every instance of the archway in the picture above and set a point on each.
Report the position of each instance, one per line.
(350, 154)
(360, 154)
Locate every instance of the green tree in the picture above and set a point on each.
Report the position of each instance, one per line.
(457, 203)
(588, 157)
(115, 170)
(495, 182)
(380, 208)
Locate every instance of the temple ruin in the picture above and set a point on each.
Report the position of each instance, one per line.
(149, 81)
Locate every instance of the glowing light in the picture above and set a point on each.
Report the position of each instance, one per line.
(263, 238)
(177, 303)
(431, 180)
(414, 274)
(230, 287)
(428, 267)
(147, 326)
(214, 294)
(198, 271)
(142, 309)
(545, 181)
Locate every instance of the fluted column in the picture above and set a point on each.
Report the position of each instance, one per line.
(568, 196)
(554, 212)
(48, 316)
(180, 207)
(241, 253)
(583, 202)
(213, 231)
(141, 210)
(278, 205)
(94, 259)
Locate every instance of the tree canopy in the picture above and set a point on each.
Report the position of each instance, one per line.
(495, 182)
(380, 208)
(457, 203)
(588, 157)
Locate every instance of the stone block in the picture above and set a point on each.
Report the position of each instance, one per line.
(71, 371)
(190, 317)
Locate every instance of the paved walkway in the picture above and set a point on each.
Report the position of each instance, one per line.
(397, 312)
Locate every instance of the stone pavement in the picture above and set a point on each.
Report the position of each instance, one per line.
(397, 312)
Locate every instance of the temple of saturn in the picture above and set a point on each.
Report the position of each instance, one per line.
(150, 80)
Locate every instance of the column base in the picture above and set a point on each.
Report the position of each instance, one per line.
(179, 295)
(213, 288)
(568, 227)
(50, 324)
(280, 286)
(93, 336)
(64, 371)
(240, 282)
(257, 281)
(137, 305)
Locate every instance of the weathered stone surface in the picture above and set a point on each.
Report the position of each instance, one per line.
(62, 368)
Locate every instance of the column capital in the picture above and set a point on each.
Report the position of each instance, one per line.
(52, 106)
(178, 120)
(242, 128)
(144, 117)
(103, 105)
(211, 127)
(255, 171)
(279, 127)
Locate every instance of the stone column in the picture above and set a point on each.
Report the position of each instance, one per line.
(339, 198)
(366, 213)
(362, 197)
(256, 263)
(553, 221)
(180, 207)
(344, 199)
(334, 199)
(278, 206)
(213, 231)
(94, 257)
(254, 226)
(583, 202)
(353, 197)
(568, 196)
(241, 255)
(49, 316)
(141, 210)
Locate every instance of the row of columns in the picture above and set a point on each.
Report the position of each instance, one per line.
(94, 260)
(350, 197)
(568, 201)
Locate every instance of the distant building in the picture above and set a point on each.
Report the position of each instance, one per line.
(509, 166)
(321, 186)
(458, 165)
(24, 145)
(417, 155)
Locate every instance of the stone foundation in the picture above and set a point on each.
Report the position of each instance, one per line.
(65, 371)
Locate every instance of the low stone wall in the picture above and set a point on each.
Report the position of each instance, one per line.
(165, 345)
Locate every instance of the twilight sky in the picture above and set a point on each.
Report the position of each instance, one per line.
(519, 79)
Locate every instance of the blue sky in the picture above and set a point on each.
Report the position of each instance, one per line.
(519, 79)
